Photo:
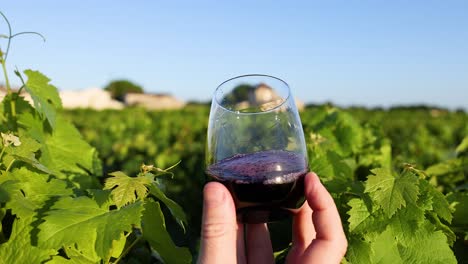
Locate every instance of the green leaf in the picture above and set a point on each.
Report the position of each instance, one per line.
(359, 251)
(18, 249)
(463, 146)
(434, 219)
(126, 189)
(118, 246)
(154, 231)
(85, 255)
(428, 246)
(405, 222)
(65, 152)
(391, 192)
(425, 246)
(358, 214)
(31, 123)
(424, 201)
(82, 222)
(72, 260)
(26, 153)
(439, 203)
(21, 106)
(385, 249)
(45, 96)
(341, 131)
(281, 255)
(459, 202)
(361, 220)
(102, 197)
(29, 191)
(331, 165)
(175, 208)
(446, 167)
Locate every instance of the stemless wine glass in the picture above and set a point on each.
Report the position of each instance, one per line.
(256, 147)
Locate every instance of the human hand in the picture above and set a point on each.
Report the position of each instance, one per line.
(318, 235)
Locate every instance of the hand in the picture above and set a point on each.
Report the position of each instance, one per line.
(318, 235)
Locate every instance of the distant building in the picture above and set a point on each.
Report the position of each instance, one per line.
(264, 96)
(94, 98)
(153, 101)
(98, 99)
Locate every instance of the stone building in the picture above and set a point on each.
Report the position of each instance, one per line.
(153, 101)
(94, 98)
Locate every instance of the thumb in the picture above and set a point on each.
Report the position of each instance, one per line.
(219, 226)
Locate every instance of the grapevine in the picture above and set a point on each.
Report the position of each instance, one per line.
(54, 208)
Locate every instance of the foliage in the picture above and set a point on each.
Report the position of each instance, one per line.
(392, 212)
(119, 88)
(53, 206)
(383, 201)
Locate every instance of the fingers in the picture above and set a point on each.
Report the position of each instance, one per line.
(303, 232)
(303, 228)
(330, 243)
(241, 259)
(218, 236)
(259, 249)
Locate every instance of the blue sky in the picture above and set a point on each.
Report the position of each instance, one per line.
(372, 53)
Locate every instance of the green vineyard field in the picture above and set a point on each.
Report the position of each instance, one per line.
(422, 151)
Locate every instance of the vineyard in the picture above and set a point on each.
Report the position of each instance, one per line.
(125, 186)
(398, 176)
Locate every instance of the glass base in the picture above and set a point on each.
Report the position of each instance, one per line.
(262, 214)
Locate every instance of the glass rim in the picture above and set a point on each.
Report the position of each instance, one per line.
(252, 75)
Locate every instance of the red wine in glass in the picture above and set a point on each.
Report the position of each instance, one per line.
(256, 147)
(266, 185)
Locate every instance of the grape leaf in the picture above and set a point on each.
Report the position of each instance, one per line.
(342, 131)
(18, 248)
(392, 192)
(359, 251)
(21, 106)
(66, 152)
(126, 189)
(45, 96)
(405, 222)
(362, 221)
(28, 191)
(30, 122)
(439, 203)
(26, 153)
(175, 208)
(76, 220)
(154, 231)
(434, 219)
(358, 214)
(385, 249)
(72, 260)
(102, 197)
(86, 253)
(424, 201)
(331, 165)
(118, 246)
(428, 246)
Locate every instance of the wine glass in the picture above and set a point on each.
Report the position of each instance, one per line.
(256, 147)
